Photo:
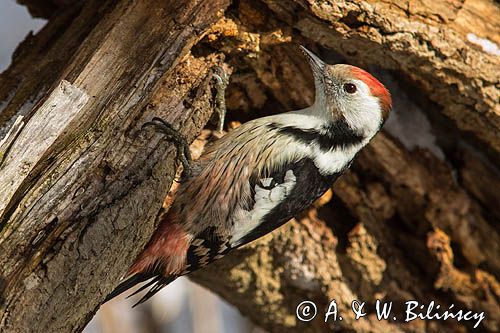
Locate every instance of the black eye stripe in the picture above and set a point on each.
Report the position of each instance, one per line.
(350, 88)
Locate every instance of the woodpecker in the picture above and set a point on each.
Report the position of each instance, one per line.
(260, 175)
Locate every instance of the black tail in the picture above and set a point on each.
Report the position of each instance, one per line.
(156, 283)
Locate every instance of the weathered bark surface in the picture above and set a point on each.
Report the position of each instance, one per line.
(81, 182)
(411, 220)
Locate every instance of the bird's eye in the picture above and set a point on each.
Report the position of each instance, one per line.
(350, 88)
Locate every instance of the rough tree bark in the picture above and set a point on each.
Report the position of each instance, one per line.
(405, 223)
(81, 183)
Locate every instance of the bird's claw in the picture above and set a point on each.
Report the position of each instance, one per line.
(221, 81)
(183, 152)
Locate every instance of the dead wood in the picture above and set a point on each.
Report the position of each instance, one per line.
(415, 218)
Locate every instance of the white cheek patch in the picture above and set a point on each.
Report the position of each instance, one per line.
(265, 201)
(363, 113)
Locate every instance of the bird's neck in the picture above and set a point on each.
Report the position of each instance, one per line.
(320, 118)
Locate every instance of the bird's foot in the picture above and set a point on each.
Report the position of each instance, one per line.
(183, 153)
(221, 81)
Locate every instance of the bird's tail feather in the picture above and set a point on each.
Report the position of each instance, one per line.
(156, 283)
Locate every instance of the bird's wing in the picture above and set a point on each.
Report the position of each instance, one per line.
(286, 191)
(250, 182)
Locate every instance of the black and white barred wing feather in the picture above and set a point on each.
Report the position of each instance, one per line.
(279, 197)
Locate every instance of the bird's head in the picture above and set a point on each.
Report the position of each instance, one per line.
(345, 92)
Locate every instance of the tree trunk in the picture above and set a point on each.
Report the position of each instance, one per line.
(81, 182)
(416, 218)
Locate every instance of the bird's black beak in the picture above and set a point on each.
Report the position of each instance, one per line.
(316, 63)
(318, 69)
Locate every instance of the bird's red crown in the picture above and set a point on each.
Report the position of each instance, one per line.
(377, 89)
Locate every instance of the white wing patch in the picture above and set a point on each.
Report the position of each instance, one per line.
(265, 200)
(266, 182)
